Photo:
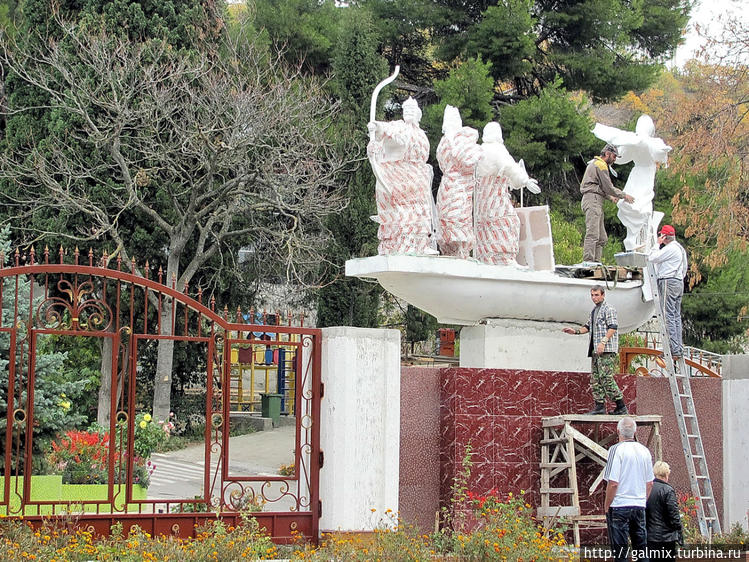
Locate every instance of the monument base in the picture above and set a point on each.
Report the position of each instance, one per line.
(523, 344)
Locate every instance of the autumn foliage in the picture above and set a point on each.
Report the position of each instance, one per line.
(702, 113)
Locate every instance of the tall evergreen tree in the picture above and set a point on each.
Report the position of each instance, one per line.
(357, 69)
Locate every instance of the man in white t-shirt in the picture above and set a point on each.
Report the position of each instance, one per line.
(671, 268)
(629, 477)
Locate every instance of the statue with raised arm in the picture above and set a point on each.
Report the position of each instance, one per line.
(457, 154)
(497, 225)
(398, 152)
(645, 150)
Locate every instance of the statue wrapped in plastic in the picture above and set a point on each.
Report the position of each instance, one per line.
(497, 225)
(457, 153)
(398, 152)
(645, 150)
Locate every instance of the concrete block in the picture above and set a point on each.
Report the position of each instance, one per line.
(360, 427)
(523, 344)
(535, 244)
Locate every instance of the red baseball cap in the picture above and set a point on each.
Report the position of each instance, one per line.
(668, 230)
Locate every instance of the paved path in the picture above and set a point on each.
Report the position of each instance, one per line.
(180, 474)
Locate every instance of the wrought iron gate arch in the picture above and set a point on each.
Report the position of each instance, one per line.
(74, 300)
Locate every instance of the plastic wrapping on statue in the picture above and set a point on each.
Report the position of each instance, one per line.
(497, 226)
(457, 154)
(398, 152)
(645, 150)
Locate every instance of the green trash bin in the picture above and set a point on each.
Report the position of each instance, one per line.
(270, 407)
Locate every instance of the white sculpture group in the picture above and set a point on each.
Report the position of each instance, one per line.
(474, 211)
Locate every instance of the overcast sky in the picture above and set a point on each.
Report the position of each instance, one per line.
(706, 13)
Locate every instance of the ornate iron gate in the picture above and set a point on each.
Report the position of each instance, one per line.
(135, 329)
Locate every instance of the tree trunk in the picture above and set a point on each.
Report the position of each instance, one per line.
(105, 388)
(162, 385)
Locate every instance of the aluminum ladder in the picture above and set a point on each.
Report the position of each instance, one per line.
(686, 417)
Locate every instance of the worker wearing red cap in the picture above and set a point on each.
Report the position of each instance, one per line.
(671, 268)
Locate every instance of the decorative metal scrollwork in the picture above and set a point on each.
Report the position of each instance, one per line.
(81, 311)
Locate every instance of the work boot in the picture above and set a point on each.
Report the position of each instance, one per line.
(600, 408)
(621, 408)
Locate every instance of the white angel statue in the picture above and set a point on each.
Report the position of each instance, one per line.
(645, 150)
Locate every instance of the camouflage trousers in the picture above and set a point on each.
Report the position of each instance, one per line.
(602, 380)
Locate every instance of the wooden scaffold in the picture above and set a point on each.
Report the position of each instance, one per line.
(562, 446)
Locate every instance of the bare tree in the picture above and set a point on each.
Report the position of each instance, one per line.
(202, 147)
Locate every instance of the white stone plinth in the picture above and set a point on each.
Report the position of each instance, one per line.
(523, 344)
(735, 441)
(359, 427)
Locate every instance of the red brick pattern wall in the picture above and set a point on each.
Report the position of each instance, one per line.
(499, 412)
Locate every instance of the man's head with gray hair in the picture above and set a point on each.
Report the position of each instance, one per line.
(626, 427)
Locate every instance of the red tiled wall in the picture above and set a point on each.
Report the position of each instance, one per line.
(499, 412)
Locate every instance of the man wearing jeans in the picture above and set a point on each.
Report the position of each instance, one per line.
(671, 268)
(629, 479)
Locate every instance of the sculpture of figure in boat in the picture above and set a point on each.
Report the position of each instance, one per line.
(497, 225)
(457, 153)
(398, 151)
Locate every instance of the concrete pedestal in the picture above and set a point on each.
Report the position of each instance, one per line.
(360, 428)
(523, 344)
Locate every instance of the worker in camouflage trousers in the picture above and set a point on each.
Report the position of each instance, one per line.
(603, 347)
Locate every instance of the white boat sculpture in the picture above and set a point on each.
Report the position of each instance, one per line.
(465, 291)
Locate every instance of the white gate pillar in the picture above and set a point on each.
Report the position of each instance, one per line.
(359, 427)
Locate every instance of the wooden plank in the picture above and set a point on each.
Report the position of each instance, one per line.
(597, 481)
(570, 431)
(556, 490)
(555, 465)
(545, 476)
(553, 440)
(588, 443)
(558, 511)
(589, 418)
(585, 453)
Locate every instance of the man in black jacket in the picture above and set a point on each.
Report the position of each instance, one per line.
(662, 515)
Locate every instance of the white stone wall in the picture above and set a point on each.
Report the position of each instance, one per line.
(523, 344)
(360, 427)
(735, 441)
